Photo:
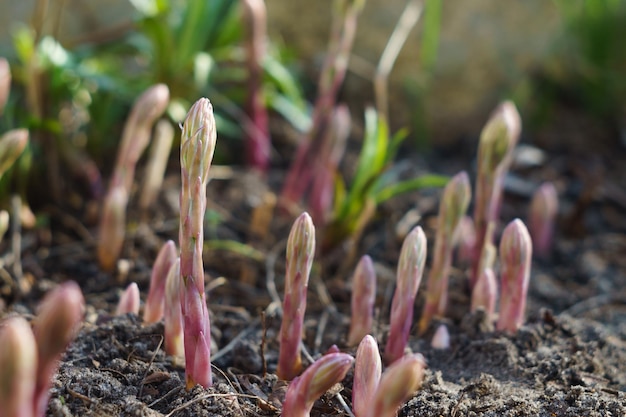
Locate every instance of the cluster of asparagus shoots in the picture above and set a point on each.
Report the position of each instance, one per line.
(29, 356)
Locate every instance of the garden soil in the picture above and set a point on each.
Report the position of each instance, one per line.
(569, 359)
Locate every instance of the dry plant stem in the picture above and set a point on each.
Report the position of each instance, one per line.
(173, 326)
(408, 19)
(18, 366)
(544, 208)
(135, 137)
(129, 300)
(367, 372)
(196, 153)
(12, 144)
(497, 140)
(258, 143)
(485, 293)
(397, 385)
(333, 149)
(409, 276)
(454, 201)
(304, 390)
(363, 297)
(5, 83)
(300, 253)
(157, 163)
(166, 257)
(515, 259)
(332, 75)
(58, 319)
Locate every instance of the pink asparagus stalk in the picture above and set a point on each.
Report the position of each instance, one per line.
(485, 293)
(441, 338)
(153, 310)
(515, 258)
(196, 153)
(544, 208)
(454, 202)
(135, 137)
(18, 368)
(333, 149)
(363, 297)
(367, 372)
(56, 325)
(258, 142)
(300, 254)
(397, 384)
(12, 144)
(466, 240)
(173, 326)
(129, 300)
(497, 140)
(304, 390)
(409, 276)
(5, 83)
(157, 163)
(303, 170)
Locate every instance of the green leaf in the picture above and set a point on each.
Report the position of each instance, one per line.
(425, 181)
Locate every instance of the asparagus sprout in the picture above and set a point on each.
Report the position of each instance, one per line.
(153, 310)
(314, 382)
(300, 253)
(367, 372)
(544, 208)
(363, 297)
(485, 292)
(12, 144)
(129, 300)
(18, 368)
(515, 259)
(454, 202)
(173, 326)
(409, 276)
(5, 83)
(196, 153)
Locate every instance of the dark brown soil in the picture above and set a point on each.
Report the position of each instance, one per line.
(568, 360)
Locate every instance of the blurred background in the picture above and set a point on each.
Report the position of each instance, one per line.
(562, 61)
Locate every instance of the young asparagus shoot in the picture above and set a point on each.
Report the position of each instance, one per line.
(409, 276)
(484, 293)
(173, 326)
(497, 140)
(397, 384)
(544, 209)
(454, 202)
(441, 338)
(135, 137)
(5, 83)
(300, 253)
(157, 163)
(515, 260)
(363, 297)
(258, 142)
(18, 368)
(12, 144)
(367, 372)
(58, 320)
(466, 241)
(129, 300)
(196, 154)
(304, 390)
(166, 257)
